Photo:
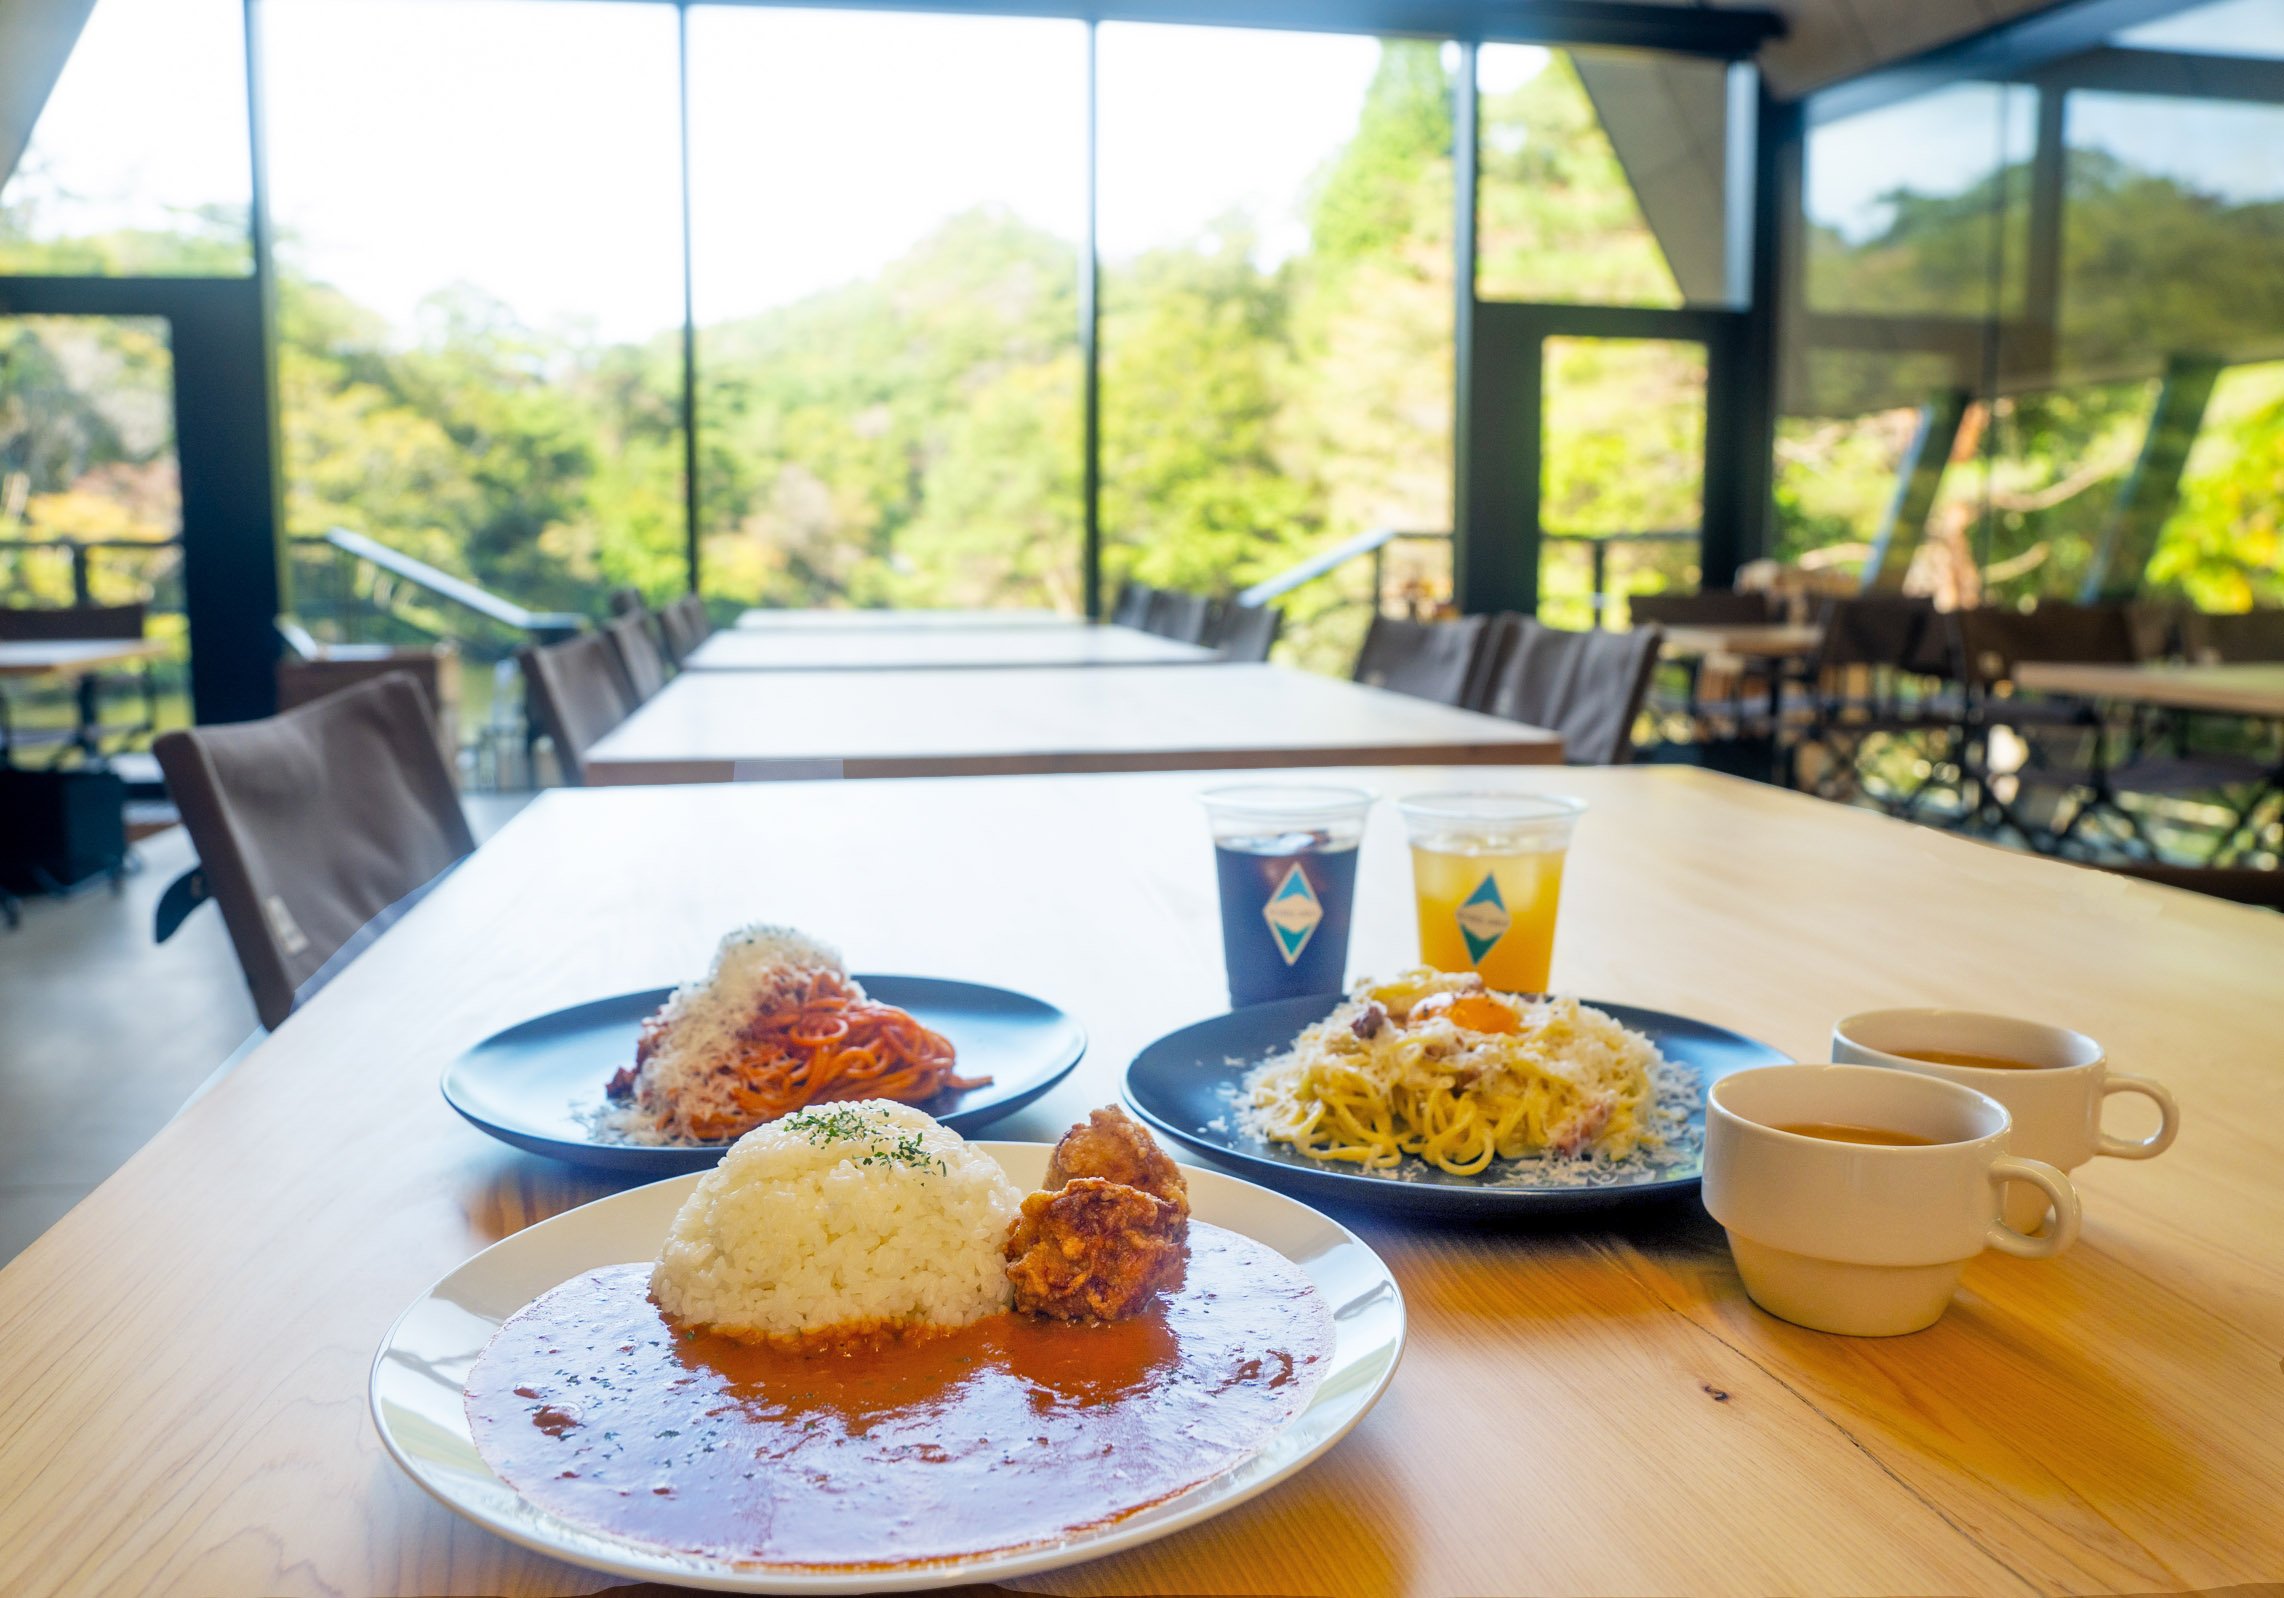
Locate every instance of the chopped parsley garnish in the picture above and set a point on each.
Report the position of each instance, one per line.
(821, 1127)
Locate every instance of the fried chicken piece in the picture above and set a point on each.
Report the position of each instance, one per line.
(1113, 1146)
(1094, 1250)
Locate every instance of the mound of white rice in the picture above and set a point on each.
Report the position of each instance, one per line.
(840, 1219)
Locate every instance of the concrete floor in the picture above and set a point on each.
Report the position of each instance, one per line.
(103, 1033)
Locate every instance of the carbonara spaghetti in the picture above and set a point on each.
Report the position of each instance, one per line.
(778, 1023)
(1437, 1066)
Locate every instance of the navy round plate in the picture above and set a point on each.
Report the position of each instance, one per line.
(1182, 1085)
(528, 1085)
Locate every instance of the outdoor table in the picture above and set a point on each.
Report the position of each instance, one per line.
(74, 657)
(2251, 690)
(940, 648)
(720, 726)
(901, 620)
(1590, 1405)
(38, 657)
(1771, 642)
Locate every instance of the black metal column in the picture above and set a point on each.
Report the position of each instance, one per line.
(1090, 357)
(689, 307)
(1466, 184)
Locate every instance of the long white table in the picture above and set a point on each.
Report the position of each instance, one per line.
(806, 621)
(939, 648)
(725, 726)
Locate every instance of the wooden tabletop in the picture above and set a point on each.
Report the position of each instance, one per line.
(718, 726)
(2230, 690)
(35, 657)
(1776, 642)
(901, 620)
(938, 648)
(1590, 1406)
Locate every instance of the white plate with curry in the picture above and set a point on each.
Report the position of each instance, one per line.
(908, 1487)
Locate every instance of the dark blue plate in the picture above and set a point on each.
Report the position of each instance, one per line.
(528, 1085)
(1182, 1085)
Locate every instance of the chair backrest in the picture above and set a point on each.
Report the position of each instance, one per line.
(627, 602)
(1133, 606)
(76, 621)
(1993, 641)
(1875, 630)
(1710, 607)
(1587, 686)
(683, 626)
(577, 691)
(1247, 632)
(311, 824)
(1184, 617)
(1426, 659)
(2244, 638)
(639, 655)
(1501, 634)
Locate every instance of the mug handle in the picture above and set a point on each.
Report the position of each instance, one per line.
(2158, 1141)
(2064, 1197)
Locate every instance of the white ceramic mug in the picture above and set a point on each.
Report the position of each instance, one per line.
(1862, 1238)
(2057, 1107)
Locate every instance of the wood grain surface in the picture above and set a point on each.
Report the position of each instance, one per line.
(938, 648)
(2230, 690)
(1588, 1407)
(713, 726)
(33, 657)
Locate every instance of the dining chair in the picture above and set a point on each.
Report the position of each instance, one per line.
(2242, 638)
(1133, 606)
(1588, 686)
(1248, 632)
(577, 691)
(640, 657)
(1179, 616)
(315, 828)
(1501, 635)
(626, 600)
(50, 624)
(1425, 659)
(1708, 607)
(682, 627)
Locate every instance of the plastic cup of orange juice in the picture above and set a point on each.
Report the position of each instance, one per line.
(1487, 873)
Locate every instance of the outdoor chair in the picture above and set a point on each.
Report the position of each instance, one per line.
(1425, 659)
(1588, 686)
(639, 655)
(1700, 691)
(1869, 677)
(1133, 606)
(1247, 632)
(1709, 607)
(315, 830)
(577, 691)
(2246, 638)
(1183, 617)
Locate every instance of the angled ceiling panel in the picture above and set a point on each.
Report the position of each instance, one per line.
(36, 37)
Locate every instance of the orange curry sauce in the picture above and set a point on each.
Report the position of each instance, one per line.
(1011, 1431)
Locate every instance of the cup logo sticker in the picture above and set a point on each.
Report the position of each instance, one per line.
(1293, 913)
(1483, 919)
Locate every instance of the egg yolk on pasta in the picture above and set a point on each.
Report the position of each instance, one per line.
(1478, 1013)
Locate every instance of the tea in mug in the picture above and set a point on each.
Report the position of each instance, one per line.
(1979, 1062)
(1840, 1132)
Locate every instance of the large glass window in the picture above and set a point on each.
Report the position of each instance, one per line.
(889, 212)
(480, 285)
(138, 161)
(1602, 177)
(1276, 234)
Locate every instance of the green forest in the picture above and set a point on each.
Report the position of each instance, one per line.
(914, 438)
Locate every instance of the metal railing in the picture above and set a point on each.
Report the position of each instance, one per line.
(546, 626)
(1375, 544)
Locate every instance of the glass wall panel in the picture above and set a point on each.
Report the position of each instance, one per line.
(480, 295)
(2173, 227)
(889, 211)
(1622, 488)
(1276, 233)
(138, 162)
(90, 504)
(2228, 27)
(1602, 177)
(2223, 549)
